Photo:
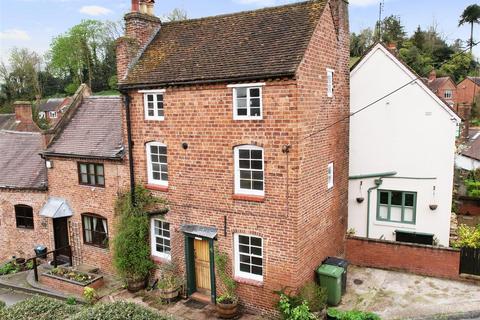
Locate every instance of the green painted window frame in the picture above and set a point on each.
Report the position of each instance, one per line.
(390, 205)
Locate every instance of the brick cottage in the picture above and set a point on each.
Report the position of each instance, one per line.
(227, 117)
(58, 188)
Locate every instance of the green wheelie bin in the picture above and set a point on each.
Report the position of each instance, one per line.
(330, 277)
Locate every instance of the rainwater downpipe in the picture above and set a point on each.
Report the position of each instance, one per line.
(378, 183)
(130, 147)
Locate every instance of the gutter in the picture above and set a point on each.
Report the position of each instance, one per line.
(78, 156)
(127, 86)
(130, 146)
(378, 183)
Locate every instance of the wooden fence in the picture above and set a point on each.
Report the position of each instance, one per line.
(470, 261)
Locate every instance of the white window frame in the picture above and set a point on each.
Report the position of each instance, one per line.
(330, 176)
(154, 236)
(146, 93)
(238, 189)
(52, 115)
(330, 82)
(151, 180)
(242, 274)
(247, 86)
(41, 115)
(448, 94)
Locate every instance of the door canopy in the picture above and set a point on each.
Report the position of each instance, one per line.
(56, 208)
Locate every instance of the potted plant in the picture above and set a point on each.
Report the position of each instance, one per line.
(227, 303)
(169, 283)
(131, 254)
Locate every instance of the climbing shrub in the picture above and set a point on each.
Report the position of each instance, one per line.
(468, 237)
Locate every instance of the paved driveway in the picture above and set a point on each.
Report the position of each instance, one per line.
(11, 297)
(396, 295)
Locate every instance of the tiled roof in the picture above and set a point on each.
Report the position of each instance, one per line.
(20, 162)
(51, 104)
(472, 149)
(434, 85)
(8, 122)
(476, 80)
(95, 131)
(247, 45)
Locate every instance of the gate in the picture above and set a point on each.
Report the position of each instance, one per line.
(470, 261)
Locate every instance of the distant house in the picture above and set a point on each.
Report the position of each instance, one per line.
(468, 92)
(52, 109)
(401, 154)
(469, 157)
(21, 120)
(443, 87)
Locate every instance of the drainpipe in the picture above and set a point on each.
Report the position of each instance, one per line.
(378, 183)
(130, 147)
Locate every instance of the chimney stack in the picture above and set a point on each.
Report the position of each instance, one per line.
(432, 76)
(141, 25)
(23, 112)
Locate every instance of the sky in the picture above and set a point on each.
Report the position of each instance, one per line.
(34, 23)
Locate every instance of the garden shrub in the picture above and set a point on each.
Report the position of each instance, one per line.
(468, 237)
(473, 188)
(352, 315)
(314, 295)
(118, 311)
(39, 308)
(2, 304)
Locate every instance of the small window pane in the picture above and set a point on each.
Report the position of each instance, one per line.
(255, 112)
(396, 198)
(245, 258)
(244, 267)
(242, 104)
(244, 164)
(241, 92)
(257, 185)
(244, 154)
(257, 270)
(256, 241)
(100, 170)
(154, 149)
(245, 184)
(255, 92)
(256, 251)
(384, 197)
(383, 212)
(150, 97)
(156, 175)
(256, 154)
(244, 249)
(162, 150)
(257, 165)
(408, 215)
(244, 240)
(409, 200)
(246, 174)
(242, 112)
(396, 214)
(83, 168)
(255, 102)
(100, 181)
(257, 175)
(164, 176)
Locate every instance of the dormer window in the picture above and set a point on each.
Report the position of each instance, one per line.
(52, 114)
(448, 94)
(153, 103)
(247, 101)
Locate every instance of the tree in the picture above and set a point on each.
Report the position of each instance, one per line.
(360, 43)
(470, 15)
(176, 15)
(86, 53)
(392, 31)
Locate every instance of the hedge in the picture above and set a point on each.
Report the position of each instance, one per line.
(41, 308)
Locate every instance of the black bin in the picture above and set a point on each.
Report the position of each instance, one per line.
(41, 251)
(339, 263)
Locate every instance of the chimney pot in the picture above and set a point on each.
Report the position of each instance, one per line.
(135, 6)
(432, 76)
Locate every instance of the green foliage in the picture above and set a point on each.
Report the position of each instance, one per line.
(468, 237)
(229, 284)
(314, 295)
(71, 301)
(113, 82)
(290, 309)
(169, 278)
(90, 295)
(131, 254)
(13, 267)
(39, 308)
(177, 14)
(2, 304)
(393, 30)
(473, 188)
(71, 88)
(117, 311)
(351, 315)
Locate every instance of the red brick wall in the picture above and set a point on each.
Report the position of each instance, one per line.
(418, 259)
(68, 287)
(63, 183)
(322, 212)
(466, 91)
(21, 242)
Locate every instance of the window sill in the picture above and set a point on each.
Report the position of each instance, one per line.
(160, 260)
(244, 197)
(156, 188)
(250, 282)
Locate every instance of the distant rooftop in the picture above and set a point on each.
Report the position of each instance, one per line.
(20, 162)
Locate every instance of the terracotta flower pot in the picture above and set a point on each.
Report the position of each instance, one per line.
(227, 310)
(136, 285)
(433, 207)
(360, 199)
